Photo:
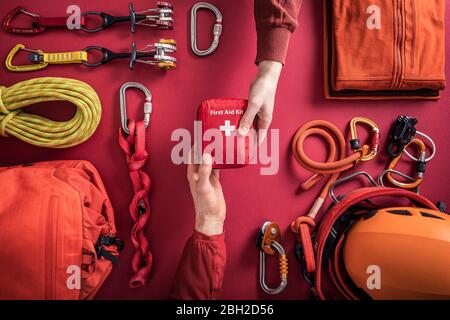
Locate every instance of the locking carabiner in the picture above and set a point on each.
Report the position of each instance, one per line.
(217, 31)
(7, 22)
(355, 143)
(420, 167)
(268, 242)
(123, 104)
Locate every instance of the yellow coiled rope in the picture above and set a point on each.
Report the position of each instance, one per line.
(43, 132)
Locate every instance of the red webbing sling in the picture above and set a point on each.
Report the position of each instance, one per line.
(136, 154)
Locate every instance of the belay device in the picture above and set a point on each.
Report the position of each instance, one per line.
(268, 243)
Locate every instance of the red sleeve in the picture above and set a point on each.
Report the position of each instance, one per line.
(275, 21)
(201, 268)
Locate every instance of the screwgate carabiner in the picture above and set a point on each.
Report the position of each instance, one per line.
(355, 143)
(268, 242)
(123, 104)
(420, 167)
(217, 31)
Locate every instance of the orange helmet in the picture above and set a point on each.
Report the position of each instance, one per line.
(400, 253)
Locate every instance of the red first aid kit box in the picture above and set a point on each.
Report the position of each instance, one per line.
(219, 120)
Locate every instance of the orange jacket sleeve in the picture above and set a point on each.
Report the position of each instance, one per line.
(201, 268)
(275, 21)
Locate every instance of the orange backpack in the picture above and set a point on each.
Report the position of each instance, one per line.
(57, 231)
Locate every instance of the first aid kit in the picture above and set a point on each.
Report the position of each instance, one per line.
(57, 227)
(43, 132)
(160, 17)
(157, 54)
(219, 135)
(381, 49)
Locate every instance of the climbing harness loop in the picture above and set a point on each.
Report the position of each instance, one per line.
(268, 242)
(420, 167)
(134, 146)
(43, 132)
(355, 143)
(217, 30)
(157, 54)
(123, 104)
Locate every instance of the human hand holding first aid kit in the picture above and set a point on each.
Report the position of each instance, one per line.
(209, 202)
(261, 99)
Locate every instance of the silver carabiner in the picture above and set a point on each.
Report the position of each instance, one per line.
(123, 104)
(346, 179)
(217, 31)
(268, 243)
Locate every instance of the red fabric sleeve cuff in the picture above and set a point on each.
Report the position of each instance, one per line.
(202, 237)
(273, 43)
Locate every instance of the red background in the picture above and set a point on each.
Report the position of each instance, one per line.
(251, 198)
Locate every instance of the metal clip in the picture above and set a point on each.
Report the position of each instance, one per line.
(7, 22)
(337, 199)
(268, 242)
(217, 31)
(356, 143)
(123, 104)
(28, 67)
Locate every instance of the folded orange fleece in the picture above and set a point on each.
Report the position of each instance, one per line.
(388, 45)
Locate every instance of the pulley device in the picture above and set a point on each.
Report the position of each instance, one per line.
(268, 243)
(160, 17)
(132, 141)
(217, 31)
(157, 55)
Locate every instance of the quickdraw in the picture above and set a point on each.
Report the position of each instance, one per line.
(132, 142)
(157, 54)
(268, 242)
(336, 163)
(160, 17)
(217, 31)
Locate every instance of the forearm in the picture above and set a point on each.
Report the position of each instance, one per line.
(201, 268)
(275, 21)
